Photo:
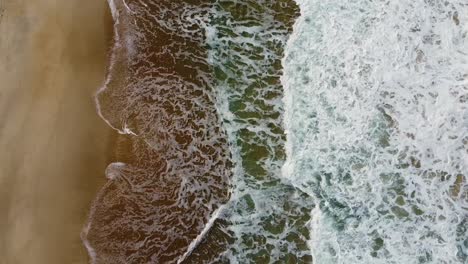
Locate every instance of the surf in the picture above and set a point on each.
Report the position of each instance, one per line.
(376, 118)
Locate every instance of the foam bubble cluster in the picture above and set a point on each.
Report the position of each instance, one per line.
(376, 96)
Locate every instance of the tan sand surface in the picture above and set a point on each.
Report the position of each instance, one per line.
(53, 146)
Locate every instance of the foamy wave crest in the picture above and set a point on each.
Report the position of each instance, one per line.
(376, 96)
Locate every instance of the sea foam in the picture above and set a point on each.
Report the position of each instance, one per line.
(377, 128)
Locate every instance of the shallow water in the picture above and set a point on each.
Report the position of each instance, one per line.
(176, 168)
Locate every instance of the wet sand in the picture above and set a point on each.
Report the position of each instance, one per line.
(54, 147)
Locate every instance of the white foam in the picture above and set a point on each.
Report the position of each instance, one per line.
(377, 122)
(114, 170)
(91, 252)
(202, 234)
(125, 130)
(113, 9)
(112, 61)
(110, 171)
(127, 7)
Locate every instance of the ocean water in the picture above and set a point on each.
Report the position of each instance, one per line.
(281, 131)
(377, 128)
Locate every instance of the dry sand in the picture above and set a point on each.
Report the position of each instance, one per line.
(54, 147)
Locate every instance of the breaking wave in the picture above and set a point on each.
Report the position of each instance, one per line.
(377, 118)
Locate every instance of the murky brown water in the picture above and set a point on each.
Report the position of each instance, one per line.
(176, 165)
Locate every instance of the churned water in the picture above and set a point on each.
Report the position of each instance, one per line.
(376, 98)
(265, 218)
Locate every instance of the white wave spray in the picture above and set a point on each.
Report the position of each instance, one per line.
(376, 115)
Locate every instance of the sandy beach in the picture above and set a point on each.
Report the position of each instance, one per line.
(53, 56)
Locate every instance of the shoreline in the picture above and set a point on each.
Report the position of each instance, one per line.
(55, 146)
